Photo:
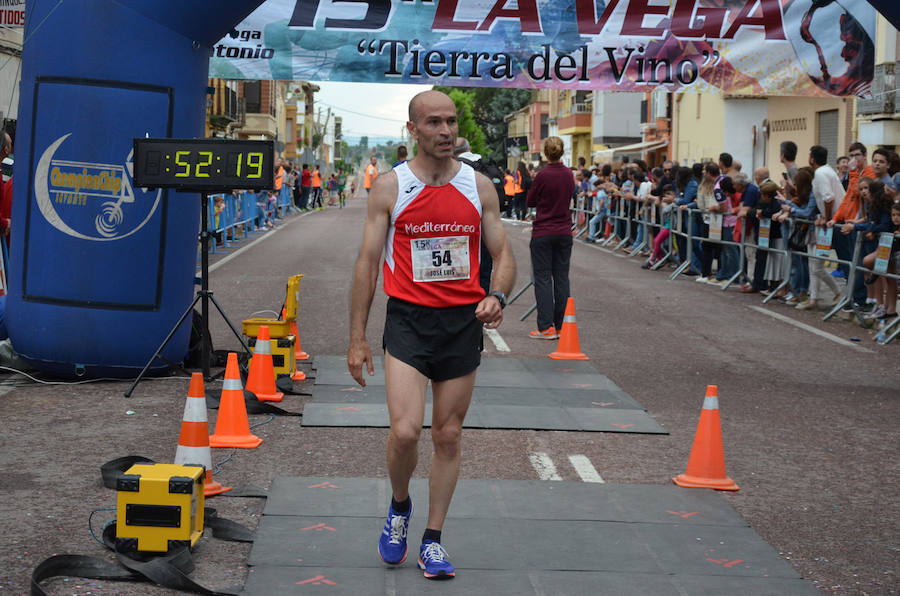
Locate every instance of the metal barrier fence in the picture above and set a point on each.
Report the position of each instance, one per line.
(638, 229)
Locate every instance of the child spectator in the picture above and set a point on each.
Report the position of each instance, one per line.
(878, 219)
(730, 255)
(667, 212)
(800, 206)
(888, 285)
(766, 206)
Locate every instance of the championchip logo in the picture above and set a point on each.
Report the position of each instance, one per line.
(90, 201)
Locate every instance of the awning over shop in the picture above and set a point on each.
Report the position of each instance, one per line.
(608, 154)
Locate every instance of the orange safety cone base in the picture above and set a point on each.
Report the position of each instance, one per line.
(239, 441)
(211, 487)
(270, 396)
(299, 376)
(301, 356)
(687, 481)
(567, 356)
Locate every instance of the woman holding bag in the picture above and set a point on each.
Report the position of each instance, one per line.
(551, 240)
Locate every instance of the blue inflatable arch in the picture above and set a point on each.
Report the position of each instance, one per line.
(101, 270)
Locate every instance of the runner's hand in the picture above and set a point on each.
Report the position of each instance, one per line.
(489, 312)
(359, 354)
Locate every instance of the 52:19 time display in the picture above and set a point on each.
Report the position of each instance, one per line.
(207, 165)
(234, 163)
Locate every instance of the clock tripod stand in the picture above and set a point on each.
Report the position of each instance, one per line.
(204, 296)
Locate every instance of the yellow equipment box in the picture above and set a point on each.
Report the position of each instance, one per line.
(159, 506)
(279, 328)
(283, 360)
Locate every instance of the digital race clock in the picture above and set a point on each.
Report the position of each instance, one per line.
(204, 165)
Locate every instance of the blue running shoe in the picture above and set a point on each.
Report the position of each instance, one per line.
(392, 542)
(433, 561)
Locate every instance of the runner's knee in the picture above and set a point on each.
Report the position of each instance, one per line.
(447, 438)
(405, 435)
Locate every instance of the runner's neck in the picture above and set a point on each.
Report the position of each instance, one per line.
(434, 172)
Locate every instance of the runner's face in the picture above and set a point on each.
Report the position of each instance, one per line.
(436, 127)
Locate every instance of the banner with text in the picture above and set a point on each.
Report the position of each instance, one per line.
(752, 47)
(12, 13)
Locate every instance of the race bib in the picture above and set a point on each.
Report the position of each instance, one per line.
(715, 226)
(440, 259)
(883, 252)
(824, 236)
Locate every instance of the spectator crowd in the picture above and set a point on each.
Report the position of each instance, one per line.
(794, 238)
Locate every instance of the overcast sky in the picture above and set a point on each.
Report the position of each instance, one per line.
(376, 110)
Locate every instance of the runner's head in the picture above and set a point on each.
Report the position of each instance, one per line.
(433, 124)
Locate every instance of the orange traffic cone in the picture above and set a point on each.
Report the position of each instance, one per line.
(193, 442)
(706, 465)
(299, 354)
(232, 426)
(568, 349)
(261, 378)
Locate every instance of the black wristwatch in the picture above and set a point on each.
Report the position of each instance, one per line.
(499, 296)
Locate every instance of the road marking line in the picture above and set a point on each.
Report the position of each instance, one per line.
(498, 341)
(544, 467)
(811, 329)
(585, 469)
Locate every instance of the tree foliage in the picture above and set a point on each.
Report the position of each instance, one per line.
(489, 107)
(468, 126)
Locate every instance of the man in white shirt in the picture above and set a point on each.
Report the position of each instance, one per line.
(828, 192)
(827, 187)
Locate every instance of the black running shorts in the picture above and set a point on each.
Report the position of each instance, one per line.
(441, 343)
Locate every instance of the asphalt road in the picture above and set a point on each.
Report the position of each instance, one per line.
(809, 424)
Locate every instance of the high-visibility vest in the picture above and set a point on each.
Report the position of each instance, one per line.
(279, 178)
(510, 187)
(517, 186)
(371, 175)
(316, 179)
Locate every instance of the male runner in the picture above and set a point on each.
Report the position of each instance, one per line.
(428, 216)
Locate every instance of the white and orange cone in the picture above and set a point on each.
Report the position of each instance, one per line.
(193, 442)
(568, 347)
(706, 464)
(232, 425)
(261, 378)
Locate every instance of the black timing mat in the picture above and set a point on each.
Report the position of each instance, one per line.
(509, 393)
(517, 538)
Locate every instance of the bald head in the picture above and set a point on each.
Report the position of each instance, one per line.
(421, 103)
(760, 174)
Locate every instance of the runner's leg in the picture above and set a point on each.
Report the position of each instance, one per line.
(405, 388)
(451, 401)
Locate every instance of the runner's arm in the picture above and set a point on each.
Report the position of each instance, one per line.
(365, 276)
(494, 236)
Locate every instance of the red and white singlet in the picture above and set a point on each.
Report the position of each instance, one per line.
(433, 246)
